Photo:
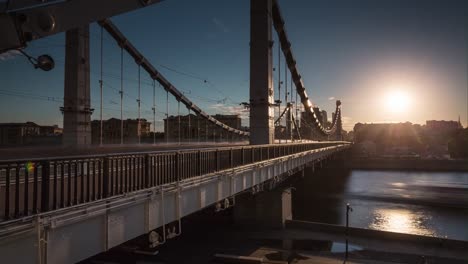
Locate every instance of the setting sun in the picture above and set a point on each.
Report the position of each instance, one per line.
(397, 101)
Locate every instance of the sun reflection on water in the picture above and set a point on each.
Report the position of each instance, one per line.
(401, 221)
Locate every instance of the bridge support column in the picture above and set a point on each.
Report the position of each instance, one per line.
(261, 83)
(269, 209)
(76, 107)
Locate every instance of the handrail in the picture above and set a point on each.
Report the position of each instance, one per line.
(94, 156)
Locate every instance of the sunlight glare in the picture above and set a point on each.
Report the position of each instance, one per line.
(397, 101)
(401, 221)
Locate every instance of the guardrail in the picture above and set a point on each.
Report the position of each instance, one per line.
(29, 187)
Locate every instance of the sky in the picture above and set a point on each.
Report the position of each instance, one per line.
(362, 52)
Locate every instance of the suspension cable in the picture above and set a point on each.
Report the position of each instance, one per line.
(100, 88)
(154, 112)
(155, 74)
(290, 109)
(286, 100)
(296, 107)
(178, 117)
(167, 116)
(278, 23)
(139, 105)
(189, 134)
(285, 84)
(279, 79)
(121, 98)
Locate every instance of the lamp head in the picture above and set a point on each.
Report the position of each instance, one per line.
(45, 63)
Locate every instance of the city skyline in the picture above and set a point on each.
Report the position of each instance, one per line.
(416, 48)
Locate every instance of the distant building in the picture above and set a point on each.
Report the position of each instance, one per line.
(111, 130)
(194, 127)
(349, 136)
(318, 114)
(364, 149)
(324, 118)
(50, 130)
(442, 125)
(27, 133)
(307, 128)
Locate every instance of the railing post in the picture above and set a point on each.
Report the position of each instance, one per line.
(17, 190)
(7, 193)
(177, 167)
(217, 159)
(45, 177)
(231, 158)
(105, 178)
(199, 172)
(242, 156)
(147, 171)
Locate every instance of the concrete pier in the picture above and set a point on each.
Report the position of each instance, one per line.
(268, 209)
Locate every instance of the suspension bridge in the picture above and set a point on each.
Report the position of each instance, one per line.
(68, 207)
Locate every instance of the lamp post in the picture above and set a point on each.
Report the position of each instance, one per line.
(348, 209)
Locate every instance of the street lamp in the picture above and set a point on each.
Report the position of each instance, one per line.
(348, 209)
(43, 62)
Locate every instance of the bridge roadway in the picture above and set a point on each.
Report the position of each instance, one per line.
(77, 206)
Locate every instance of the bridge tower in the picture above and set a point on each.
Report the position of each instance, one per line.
(339, 124)
(76, 106)
(261, 72)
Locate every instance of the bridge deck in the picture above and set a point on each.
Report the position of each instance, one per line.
(73, 180)
(97, 202)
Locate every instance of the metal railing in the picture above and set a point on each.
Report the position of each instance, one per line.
(29, 187)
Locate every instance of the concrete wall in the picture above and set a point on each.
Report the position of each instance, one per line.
(409, 164)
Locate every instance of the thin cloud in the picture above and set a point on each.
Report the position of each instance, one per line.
(230, 110)
(220, 25)
(346, 120)
(9, 55)
(331, 98)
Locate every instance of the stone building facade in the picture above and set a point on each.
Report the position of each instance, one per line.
(193, 127)
(111, 130)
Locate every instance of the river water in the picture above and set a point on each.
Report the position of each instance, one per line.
(414, 202)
